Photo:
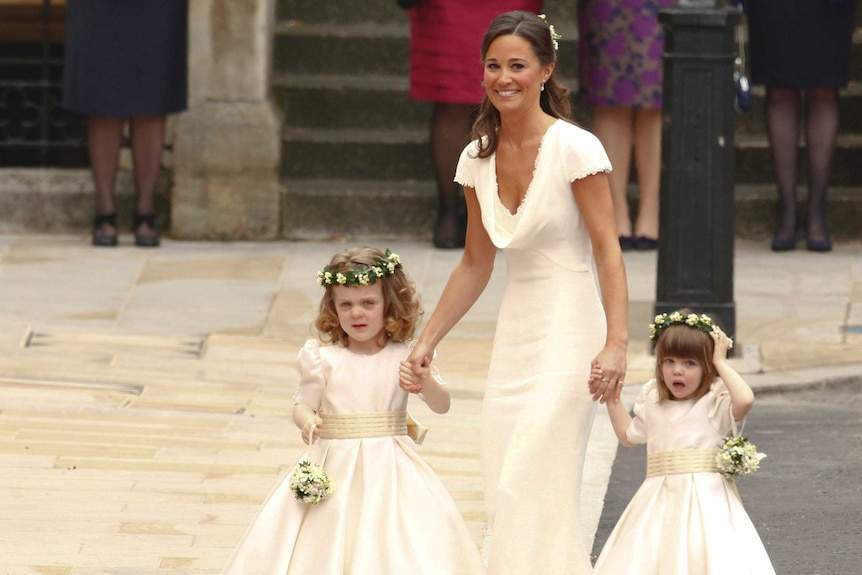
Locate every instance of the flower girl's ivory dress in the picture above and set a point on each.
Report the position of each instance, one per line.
(388, 512)
(683, 523)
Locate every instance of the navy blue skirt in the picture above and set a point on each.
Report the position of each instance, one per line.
(126, 57)
(801, 44)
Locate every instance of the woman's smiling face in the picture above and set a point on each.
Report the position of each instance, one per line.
(513, 74)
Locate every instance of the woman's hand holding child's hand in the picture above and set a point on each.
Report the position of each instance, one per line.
(607, 385)
(409, 380)
(312, 426)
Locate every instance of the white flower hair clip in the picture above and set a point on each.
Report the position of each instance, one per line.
(554, 35)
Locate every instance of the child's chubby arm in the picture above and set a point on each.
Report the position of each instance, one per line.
(620, 420)
(428, 383)
(306, 419)
(619, 415)
(741, 396)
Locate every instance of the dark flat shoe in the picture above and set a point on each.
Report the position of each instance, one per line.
(783, 245)
(101, 238)
(644, 243)
(627, 243)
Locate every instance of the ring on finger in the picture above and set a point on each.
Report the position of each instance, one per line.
(605, 380)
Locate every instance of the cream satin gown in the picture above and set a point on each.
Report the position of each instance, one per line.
(388, 514)
(684, 523)
(537, 410)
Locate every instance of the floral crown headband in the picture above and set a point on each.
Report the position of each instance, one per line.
(360, 275)
(554, 35)
(701, 322)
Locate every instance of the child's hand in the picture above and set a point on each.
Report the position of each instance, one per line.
(722, 344)
(409, 380)
(311, 429)
(602, 387)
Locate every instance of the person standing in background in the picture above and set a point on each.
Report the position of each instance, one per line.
(801, 47)
(446, 69)
(620, 68)
(126, 61)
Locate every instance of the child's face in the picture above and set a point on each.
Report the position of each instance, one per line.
(360, 314)
(682, 376)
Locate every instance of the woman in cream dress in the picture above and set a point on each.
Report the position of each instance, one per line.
(537, 188)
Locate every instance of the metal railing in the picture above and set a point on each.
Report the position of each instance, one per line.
(34, 129)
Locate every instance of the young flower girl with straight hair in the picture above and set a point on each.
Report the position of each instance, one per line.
(387, 513)
(687, 517)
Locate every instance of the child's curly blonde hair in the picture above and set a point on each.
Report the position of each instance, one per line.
(401, 308)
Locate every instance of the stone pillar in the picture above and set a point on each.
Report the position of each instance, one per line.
(226, 145)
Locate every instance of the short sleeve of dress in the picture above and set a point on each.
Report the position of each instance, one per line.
(464, 173)
(719, 408)
(582, 153)
(311, 382)
(636, 431)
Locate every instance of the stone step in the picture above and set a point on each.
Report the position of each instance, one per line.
(562, 13)
(367, 48)
(849, 103)
(381, 101)
(317, 209)
(339, 11)
(402, 154)
(61, 199)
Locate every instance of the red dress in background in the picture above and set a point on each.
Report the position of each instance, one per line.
(445, 43)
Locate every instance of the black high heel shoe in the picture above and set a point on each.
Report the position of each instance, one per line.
(146, 240)
(783, 244)
(824, 245)
(100, 237)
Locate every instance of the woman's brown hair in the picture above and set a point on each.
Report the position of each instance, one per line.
(554, 99)
(400, 303)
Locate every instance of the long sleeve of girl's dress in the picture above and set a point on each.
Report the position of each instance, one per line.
(311, 380)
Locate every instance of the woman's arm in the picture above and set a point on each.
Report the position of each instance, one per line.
(465, 285)
(593, 196)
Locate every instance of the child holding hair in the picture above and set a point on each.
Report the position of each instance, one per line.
(686, 517)
(388, 512)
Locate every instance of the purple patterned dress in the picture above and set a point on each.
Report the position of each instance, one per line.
(620, 52)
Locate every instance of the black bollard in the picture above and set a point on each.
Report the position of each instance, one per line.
(695, 248)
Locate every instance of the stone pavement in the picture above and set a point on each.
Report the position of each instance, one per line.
(145, 395)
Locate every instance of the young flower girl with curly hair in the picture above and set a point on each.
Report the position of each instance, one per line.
(687, 516)
(387, 513)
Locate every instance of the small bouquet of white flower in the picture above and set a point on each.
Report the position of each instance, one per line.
(310, 483)
(738, 457)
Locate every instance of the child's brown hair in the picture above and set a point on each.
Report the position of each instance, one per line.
(683, 341)
(400, 303)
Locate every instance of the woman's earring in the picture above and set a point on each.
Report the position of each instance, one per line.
(543, 86)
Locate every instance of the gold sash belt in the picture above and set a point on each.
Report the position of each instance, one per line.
(681, 461)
